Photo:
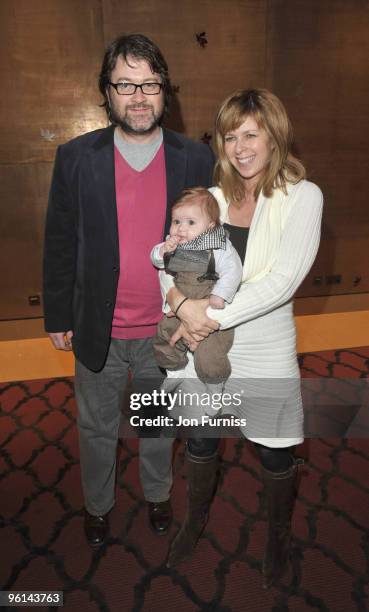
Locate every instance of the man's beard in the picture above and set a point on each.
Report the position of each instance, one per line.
(128, 124)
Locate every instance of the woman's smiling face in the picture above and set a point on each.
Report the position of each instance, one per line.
(248, 149)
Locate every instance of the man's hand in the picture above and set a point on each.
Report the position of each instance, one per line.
(62, 340)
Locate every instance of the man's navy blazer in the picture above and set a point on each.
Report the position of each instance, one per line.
(81, 251)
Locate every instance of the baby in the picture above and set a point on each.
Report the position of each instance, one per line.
(204, 264)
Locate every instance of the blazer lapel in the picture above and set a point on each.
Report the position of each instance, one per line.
(103, 181)
(176, 168)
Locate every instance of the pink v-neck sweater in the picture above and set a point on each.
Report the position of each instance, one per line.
(141, 206)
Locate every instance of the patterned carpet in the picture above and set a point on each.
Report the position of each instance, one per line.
(43, 548)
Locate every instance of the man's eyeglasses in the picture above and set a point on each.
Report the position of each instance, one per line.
(128, 89)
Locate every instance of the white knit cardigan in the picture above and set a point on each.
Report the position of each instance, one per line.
(282, 245)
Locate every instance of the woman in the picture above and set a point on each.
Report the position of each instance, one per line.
(273, 216)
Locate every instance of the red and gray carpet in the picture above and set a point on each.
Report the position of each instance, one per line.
(42, 546)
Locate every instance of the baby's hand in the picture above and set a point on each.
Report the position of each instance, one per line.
(169, 245)
(216, 302)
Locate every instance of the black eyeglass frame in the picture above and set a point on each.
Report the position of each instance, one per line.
(140, 85)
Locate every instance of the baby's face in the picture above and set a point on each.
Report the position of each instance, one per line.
(188, 222)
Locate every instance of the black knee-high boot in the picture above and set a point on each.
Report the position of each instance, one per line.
(280, 490)
(202, 473)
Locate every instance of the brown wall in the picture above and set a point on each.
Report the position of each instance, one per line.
(312, 54)
(318, 64)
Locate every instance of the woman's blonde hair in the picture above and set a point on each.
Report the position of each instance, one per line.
(270, 114)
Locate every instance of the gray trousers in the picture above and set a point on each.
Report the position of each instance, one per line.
(99, 402)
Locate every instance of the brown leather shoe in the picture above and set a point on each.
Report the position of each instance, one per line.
(160, 516)
(96, 529)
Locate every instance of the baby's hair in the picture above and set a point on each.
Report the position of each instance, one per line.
(204, 199)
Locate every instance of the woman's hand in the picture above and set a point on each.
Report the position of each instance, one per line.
(183, 334)
(194, 318)
(192, 314)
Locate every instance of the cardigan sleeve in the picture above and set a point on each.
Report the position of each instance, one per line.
(298, 248)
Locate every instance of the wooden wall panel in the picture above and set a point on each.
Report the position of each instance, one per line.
(313, 54)
(318, 64)
(23, 193)
(234, 56)
(51, 58)
(51, 53)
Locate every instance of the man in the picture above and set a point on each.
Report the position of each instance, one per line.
(109, 203)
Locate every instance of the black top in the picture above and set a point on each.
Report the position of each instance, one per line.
(238, 236)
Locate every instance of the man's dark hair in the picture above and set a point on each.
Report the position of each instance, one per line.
(138, 47)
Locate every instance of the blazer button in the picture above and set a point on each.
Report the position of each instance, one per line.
(115, 269)
(108, 304)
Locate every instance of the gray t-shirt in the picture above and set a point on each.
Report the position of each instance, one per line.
(137, 155)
